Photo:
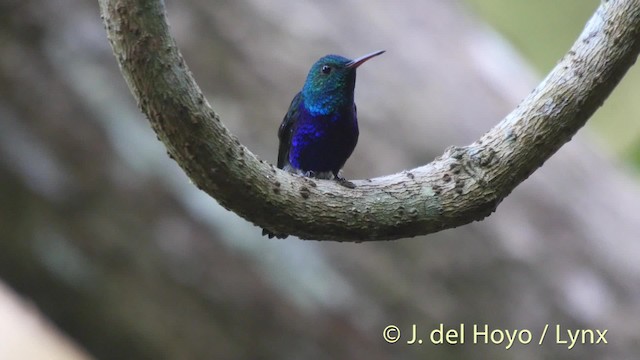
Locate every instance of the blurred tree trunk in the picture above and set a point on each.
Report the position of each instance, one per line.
(107, 237)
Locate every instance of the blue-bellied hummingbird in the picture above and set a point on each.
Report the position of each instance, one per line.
(320, 129)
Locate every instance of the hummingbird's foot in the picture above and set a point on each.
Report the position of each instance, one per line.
(344, 182)
(327, 175)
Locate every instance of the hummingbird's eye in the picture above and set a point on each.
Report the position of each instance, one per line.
(326, 69)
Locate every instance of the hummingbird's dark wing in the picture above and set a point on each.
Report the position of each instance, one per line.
(285, 130)
(284, 134)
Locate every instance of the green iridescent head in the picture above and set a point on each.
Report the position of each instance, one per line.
(331, 82)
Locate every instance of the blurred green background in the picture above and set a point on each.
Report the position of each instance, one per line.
(543, 30)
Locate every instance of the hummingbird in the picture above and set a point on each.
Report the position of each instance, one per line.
(320, 130)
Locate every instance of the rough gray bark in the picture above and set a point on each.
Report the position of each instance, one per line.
(463, 185)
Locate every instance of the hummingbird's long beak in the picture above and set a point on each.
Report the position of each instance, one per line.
(359, 61)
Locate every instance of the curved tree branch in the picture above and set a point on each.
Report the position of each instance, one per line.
(463, 185)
